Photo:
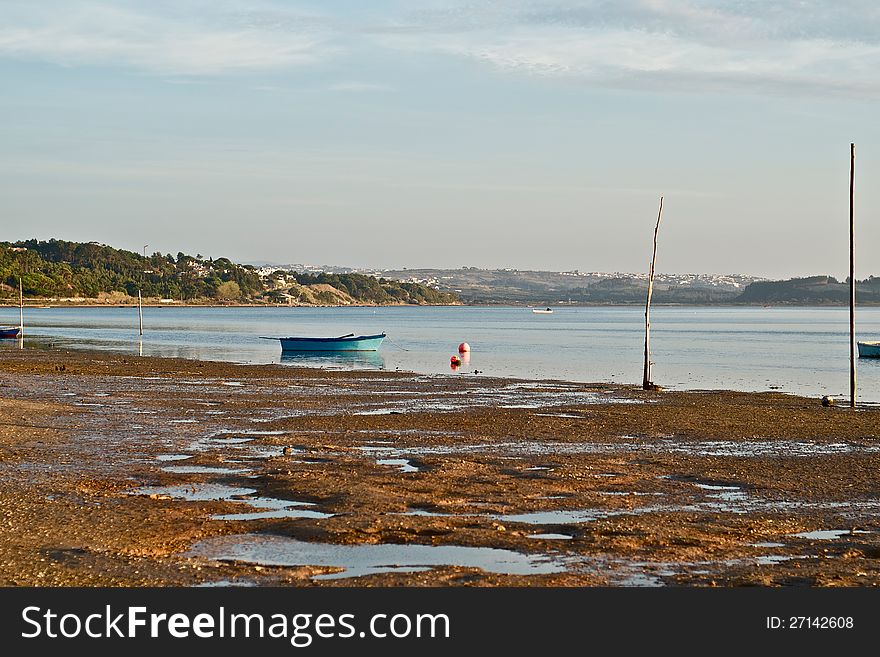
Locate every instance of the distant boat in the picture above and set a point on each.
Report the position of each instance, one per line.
(7, 332)
(869, 349)
(542, 311)
(350, 342)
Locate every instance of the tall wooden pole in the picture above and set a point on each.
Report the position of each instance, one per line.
(20, 309)
(140, 314)
(852, 278)
(647, 384)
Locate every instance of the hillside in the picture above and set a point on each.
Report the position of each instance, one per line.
(514, 286)
(77, 271)
(814, 290)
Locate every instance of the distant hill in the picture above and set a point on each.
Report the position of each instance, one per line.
(514, 286)
(814, 290)
(77, 271)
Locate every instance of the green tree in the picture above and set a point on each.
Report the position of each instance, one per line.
(229, 291)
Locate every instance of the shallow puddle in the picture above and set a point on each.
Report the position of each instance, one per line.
(551, 537)
(554, 517)
(829, 534)
(202, 469)
(197, 492)
(231, 441)
(224, 583)
(402, 464)
(292, 512)
(173, 457)
(367, 559)
(424, 512)
(269, 507)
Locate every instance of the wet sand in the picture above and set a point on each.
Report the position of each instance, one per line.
(145, 471)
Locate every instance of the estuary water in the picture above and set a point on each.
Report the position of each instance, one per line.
(791, 349)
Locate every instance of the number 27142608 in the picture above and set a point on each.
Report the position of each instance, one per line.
(810, 622)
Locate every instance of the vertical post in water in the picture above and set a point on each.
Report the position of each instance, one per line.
(140, 314)
(852, 279)
(20, 309)
(647, 384)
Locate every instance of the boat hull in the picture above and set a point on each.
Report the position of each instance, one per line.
(348, 343)
(9, 333)
(869, 349)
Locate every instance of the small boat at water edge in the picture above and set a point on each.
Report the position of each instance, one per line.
(542, 311)
(869, 349)
(7, 332)
(350, 342)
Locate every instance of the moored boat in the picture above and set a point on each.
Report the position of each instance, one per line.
(543, 311)
(869, 349)
(7, 332)
(350, 342)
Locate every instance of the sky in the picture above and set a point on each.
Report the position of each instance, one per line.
(529, 134)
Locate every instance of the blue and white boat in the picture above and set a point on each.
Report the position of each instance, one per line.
(350, 342)
(869, 349)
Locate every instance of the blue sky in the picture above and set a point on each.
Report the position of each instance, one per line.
(522, 133)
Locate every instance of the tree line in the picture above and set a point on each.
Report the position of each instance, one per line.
(61, 269)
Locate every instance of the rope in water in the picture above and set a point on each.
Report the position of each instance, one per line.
(395, 344)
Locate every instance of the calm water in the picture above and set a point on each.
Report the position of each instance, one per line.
(800, 350)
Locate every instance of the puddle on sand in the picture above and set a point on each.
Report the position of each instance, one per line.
(202, 469)
(551, 537)
(197, 492)
(403, 464)
(292, 512)
(829, 534)
(771, 559)
(424, 512)
(368, 559)
(230, 441)
(270, 507)
(173, 457)
(553, 517)
(224, 583)
(725, 493)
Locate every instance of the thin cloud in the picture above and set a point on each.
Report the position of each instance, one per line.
(163, 42)
(788, 47)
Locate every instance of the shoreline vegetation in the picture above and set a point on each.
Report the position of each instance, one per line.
(98, 274)
(91, 274)
(131, 471)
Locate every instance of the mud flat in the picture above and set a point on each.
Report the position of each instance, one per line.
(146, 471)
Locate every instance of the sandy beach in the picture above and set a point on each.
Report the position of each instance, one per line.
(127, 471)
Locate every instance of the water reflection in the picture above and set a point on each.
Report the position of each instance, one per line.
(348, 360)
(800, 350)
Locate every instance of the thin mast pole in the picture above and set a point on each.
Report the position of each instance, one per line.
(20, 309)
(646, 380)
(140, 314)
(852, 278)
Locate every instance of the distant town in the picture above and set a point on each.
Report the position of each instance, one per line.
(475, 285)
(90, 272)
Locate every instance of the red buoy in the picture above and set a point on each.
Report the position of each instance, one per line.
(464, 347)
(455, 360)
